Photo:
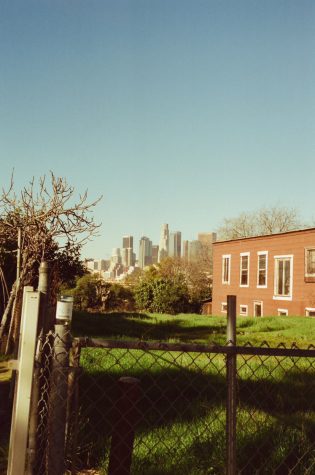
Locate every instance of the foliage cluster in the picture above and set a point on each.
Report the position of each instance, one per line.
(172, 286)
(92, 293)
(162, 295)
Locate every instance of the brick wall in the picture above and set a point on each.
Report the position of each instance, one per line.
(291, 243)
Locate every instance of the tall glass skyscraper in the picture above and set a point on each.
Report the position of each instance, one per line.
(164, 242)
(175, 244)
(145, 252)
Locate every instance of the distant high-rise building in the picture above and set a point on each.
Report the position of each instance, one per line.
(145, 252)
(124, 256)
(127, 254)
(155, 254)
(101, 264)
(116, 256)
(131, 257)
(175, 244)
(194, 251)
(127, 242)
(164, 242)
(185, 250)
(89, 264)
(207, 238)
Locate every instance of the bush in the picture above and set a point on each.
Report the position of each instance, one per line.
(162, 295)
(85, 292)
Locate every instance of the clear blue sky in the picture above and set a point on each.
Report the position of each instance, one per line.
(183, 112)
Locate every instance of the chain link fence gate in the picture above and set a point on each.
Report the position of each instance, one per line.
(176, 417)
(118, 407)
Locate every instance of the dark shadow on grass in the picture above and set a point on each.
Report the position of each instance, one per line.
(139, 326)
(179, 394)
(168, 396)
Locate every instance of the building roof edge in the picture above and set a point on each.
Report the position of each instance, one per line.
(262, 236)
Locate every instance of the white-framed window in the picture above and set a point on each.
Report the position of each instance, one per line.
(283, 311)
(258, 308)
(244, 269)
(226, 268)
(310, 262)
(244, 310)
(283, 284)
(262, 269)
(223, 307)
(310, 312)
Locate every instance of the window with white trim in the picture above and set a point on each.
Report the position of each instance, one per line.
(283, 277)
(310, 262)
(224, 307)
(262, 265)
(283, 312)
(310, 312)
(244, 269)
(226, 268)
(258, 309)
(244, 310)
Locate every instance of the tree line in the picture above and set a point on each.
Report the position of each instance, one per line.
(45, 220)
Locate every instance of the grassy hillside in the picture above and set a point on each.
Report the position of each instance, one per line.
(194, 328)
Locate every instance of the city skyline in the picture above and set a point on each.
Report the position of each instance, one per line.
(155, 242)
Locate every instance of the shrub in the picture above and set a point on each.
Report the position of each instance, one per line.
(162, 295)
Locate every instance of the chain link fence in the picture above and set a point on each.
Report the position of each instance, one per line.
(169, 405)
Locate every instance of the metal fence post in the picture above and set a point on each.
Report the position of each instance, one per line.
(58, 401)
(231, 387)
(22, 396)
(73, 403)
(124, 431)
(33, 454)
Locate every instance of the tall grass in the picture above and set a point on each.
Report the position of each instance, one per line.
(194, 328)
(182, 427)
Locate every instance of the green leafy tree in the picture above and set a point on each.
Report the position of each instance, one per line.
(85, 292)
(162, 294)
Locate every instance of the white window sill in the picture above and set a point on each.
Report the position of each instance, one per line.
(282, 297)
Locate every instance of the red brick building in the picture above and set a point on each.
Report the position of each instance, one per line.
(270, 275)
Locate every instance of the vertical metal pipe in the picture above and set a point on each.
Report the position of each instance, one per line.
(43, 277)
(72, 424)
(58, 402)
(127, 415)
(33, 446)
(231, 387)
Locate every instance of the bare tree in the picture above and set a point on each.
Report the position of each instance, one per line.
(265, 221)
(49, 220)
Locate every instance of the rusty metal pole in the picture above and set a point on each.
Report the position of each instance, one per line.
(231, 387)
(58, 401)
(124, 430)
(72, 422)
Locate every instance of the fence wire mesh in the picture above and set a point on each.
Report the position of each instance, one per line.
(174, 398)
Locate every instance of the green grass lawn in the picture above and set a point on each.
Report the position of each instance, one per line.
(182, 424)
(182, 408)
(195, 328)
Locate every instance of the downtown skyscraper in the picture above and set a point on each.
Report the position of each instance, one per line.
(164, 242)
(175, 244)
(145, 252)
